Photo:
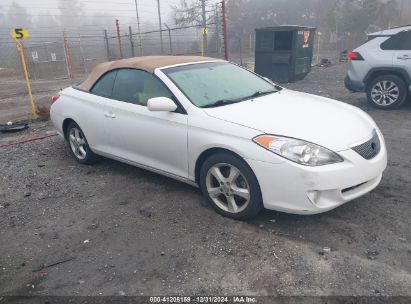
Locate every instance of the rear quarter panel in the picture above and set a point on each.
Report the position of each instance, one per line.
(374, 57)
(83, 108)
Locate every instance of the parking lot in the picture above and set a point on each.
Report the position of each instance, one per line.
(132, 232)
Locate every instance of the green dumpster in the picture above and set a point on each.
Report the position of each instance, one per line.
(284, 53)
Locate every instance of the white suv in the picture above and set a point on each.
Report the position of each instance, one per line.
(382, 68)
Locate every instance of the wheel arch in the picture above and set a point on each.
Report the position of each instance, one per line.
(66, 123)
(376, 72)
(206, 154)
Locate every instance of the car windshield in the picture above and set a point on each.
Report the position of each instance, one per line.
(215, 84)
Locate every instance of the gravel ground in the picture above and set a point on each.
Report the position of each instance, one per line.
(132, 232)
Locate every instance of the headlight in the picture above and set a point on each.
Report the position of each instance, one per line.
(298, 151)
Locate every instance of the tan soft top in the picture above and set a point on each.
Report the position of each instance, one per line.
(147, 63)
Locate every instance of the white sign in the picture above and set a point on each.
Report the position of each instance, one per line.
(53, 57)
(35, 56)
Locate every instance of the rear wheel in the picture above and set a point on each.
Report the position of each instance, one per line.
(230, 186)
(78, 145)
(387, 92)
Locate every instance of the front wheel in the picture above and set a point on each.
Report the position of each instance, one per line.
(387, 92)
(230, 186)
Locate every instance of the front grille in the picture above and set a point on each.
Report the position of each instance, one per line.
(370, 148)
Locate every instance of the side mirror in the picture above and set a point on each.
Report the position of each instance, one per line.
(163, 104)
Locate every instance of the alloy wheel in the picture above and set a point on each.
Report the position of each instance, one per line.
(228, 188)
(78, 143)
(385, 93)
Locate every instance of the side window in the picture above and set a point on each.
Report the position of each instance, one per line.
(407, 41)
(136, 86)
(104, 85)
(401, 41)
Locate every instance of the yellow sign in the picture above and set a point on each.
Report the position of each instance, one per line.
(20, 33)
(205, 30)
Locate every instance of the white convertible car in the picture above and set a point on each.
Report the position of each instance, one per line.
(245, 141)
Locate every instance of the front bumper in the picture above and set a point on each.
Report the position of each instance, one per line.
(293, 188)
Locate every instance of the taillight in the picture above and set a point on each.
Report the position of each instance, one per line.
(54, 98)
(355, 56)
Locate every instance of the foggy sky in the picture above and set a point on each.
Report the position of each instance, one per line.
(124, 10)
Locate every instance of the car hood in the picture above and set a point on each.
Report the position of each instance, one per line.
(323, 121)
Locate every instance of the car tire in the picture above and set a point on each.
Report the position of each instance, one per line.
(78, 145)
(387, 92)
(235, 193)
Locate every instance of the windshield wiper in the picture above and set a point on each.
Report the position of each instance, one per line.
(260, 93)
(222, 102)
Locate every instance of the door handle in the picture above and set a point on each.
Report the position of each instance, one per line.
(404, 57)
(109, 115)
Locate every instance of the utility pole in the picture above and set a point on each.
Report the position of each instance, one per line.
(107, 46)
(82, 55)
(138, 30)
(224, 30)
(240, 41)
(159, 24)
(205, 30)
(317, 17)
(119, 39)
(130, 35)
(217, 29)
(401, 12)
(169, 38)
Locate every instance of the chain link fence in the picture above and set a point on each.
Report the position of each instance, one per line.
(66, 55)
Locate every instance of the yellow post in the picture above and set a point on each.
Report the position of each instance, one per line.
(67, 55)
(318, 46)
(26, 76)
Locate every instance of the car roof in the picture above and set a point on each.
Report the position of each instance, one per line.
(392, 31)
(146, 63)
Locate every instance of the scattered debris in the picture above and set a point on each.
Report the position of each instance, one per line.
(45, 265)
(93, 226)
(372, 254)
(324, 62)
(43, 111)
(26, 140)
(343, 56)
(145, 213)
(13, 127)
(325, 251)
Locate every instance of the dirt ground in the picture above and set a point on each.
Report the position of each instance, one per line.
(132, 232)
(14, 102)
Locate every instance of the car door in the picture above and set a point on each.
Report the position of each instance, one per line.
(402, 55)
(154, 139)
(94, 119)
